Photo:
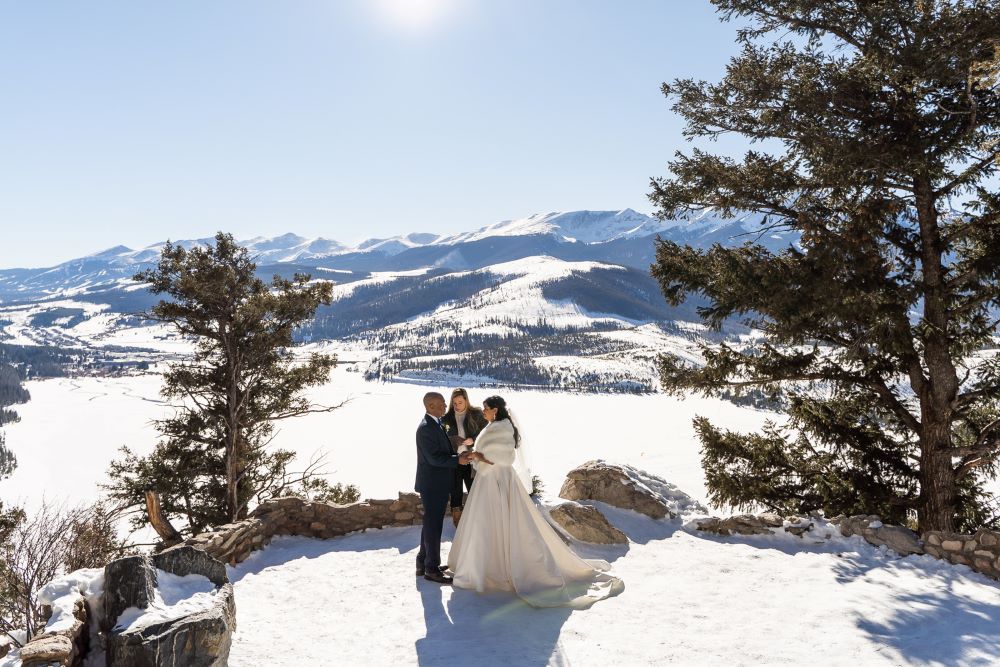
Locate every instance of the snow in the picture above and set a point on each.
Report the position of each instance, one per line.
(690, 597)
(574, 226)
(518, 296)
(72, 428)
(345, 290)
(62, 593)
(174, 597)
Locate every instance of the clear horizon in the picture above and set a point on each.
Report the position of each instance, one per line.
(128, 125)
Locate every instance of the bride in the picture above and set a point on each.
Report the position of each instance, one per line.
(504, 544)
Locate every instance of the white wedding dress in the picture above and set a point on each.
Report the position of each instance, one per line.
(504, 544)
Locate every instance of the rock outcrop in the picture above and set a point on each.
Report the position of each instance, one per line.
(587, 524)
(184, 560)
(197, 639)
(627, 487)
(128, 582)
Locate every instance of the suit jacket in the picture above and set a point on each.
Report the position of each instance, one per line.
(475, 421)
(436, 462)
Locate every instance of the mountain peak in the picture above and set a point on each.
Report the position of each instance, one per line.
(572, 226)
(110, 252)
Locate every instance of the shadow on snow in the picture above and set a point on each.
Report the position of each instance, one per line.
(953, 618)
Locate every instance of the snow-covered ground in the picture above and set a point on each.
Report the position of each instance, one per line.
(689, 598)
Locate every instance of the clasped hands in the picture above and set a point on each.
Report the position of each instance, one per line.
(466, 457)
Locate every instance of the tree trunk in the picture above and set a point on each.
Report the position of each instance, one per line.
(937, 488)
(161, 524)
(937, 394)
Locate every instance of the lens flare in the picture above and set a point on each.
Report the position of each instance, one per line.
(415, 15)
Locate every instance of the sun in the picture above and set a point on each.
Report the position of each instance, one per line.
(415, 15)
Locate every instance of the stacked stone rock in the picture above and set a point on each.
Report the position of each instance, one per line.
(980, 551)
(761, 524)
(898, 538)
(233, 542)
(62, 647)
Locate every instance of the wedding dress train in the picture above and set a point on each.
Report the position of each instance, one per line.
(504, 544)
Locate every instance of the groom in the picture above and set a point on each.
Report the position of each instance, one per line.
(436, 463)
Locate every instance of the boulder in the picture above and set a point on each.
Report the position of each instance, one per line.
(626, 487)
(47, 650)
(199, 639)
(798, 526)
(988, 538)
(742, 524)
(128, 582)
(901, 540)
(185, 560)
(202, 639)
(78, 630)
(587, 524)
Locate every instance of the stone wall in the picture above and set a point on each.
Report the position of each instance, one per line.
(980, 551)
(901, 540)
(233, 542)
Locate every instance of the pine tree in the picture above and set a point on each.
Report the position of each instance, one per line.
(879, 129)
(7, 459)
(213, 459)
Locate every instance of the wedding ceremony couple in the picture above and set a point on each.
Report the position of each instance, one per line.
(502, 541)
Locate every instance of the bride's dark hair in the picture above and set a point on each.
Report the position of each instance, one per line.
(500, 405)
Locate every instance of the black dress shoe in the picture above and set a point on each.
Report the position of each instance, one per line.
(439, 578)
(442, 568)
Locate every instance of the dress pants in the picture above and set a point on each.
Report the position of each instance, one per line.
(429, 556)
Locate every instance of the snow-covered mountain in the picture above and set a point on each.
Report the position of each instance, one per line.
(550, 299)
(619, 237)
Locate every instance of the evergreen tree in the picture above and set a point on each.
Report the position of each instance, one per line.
(213, 459)
(879, 122)
(7, 459)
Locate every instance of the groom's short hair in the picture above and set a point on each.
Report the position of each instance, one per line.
(432, 396)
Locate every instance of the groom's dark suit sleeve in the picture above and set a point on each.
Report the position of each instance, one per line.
(436, 447)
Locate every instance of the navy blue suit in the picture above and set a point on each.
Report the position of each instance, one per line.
(436, 464)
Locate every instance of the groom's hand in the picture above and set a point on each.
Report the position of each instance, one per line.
(465, 457)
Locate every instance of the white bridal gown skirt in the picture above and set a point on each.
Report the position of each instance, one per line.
(504, 544)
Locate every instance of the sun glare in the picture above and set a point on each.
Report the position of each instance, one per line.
(415, 15)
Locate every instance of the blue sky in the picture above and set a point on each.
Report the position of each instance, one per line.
(130, 122)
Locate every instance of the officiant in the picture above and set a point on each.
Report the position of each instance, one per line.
(463, 422)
